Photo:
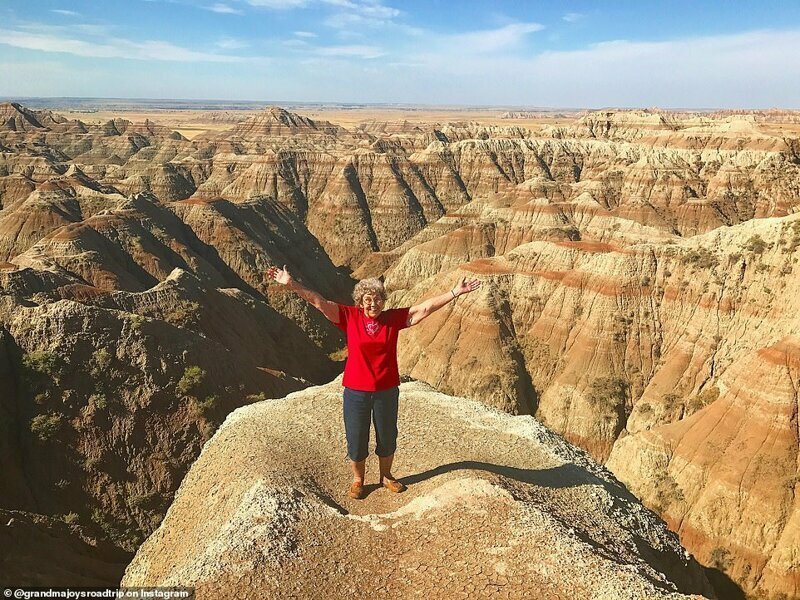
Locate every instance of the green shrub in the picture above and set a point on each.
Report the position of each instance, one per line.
(136, 321)
(184, 314)
(41, 363)
(259, 397)
(608, 393)
(102, 360)
(70, 518)
(98, 401)
(756, 244)
(702, 258)
(701, 400)
(206, 407)
(46, 427)
(98, 516)
(192, 378)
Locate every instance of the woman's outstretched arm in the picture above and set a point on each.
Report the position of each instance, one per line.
(422, 310)
(326, 307)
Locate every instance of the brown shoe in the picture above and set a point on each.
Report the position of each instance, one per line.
(393, 485)
(357, 491)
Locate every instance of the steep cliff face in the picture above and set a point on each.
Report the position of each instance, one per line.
(111, 407)
(610, 342)
(726, 477)
(108, 396)
(265, 514)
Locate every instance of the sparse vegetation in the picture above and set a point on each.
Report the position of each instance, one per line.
(70, 518)
(136, 321)
(192, 378)
(702, 258)
(762, 267)
(670, 401)
(259, 397)
(98, 401)
(756, 244)
(102, 361)
(184, 314)
(46, 427)
(720, 558)
(125, 537)
(608, 393)
(207, 406)
(41, 363)
(667, 490)
(701, 400)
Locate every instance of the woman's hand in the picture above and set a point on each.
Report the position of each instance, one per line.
(465, 287)
(280, 275)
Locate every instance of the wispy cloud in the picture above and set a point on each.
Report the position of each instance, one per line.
(305, 34)
(360, 13)
(351, 51)
(229, 43)
(572, 17)
(109, 48)
(69, 13)
(278, 4)
(221, 8)
(90, 29)
(746, 70)
(492, 40)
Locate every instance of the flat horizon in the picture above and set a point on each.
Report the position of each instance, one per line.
(249, 104)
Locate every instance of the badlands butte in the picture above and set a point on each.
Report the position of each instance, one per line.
(640, 299)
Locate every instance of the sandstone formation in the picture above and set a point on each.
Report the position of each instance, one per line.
(265, 514)
(638, 267)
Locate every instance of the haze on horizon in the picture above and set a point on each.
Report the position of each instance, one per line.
(578, 54)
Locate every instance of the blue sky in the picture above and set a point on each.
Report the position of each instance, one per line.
(557, 54)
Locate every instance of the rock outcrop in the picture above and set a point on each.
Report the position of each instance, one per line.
(263, 512)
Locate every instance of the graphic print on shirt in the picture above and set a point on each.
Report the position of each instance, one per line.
(372, 327)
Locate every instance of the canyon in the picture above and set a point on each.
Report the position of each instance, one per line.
(639, 292)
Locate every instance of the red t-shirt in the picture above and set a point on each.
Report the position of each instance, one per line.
(371, 347)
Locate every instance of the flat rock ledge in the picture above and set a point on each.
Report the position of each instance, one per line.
(497, 506)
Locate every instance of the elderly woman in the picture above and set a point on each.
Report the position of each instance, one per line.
(371, 378)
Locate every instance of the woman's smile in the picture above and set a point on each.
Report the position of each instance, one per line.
(372, 305)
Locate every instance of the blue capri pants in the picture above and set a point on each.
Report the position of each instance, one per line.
(358, 408)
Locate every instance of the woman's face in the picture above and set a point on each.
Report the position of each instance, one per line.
(372, 305)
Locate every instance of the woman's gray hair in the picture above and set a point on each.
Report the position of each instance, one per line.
(372, 286)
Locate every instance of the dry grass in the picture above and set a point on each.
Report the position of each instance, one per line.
(192, 123)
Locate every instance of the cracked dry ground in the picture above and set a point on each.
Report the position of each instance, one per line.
(497, 506)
